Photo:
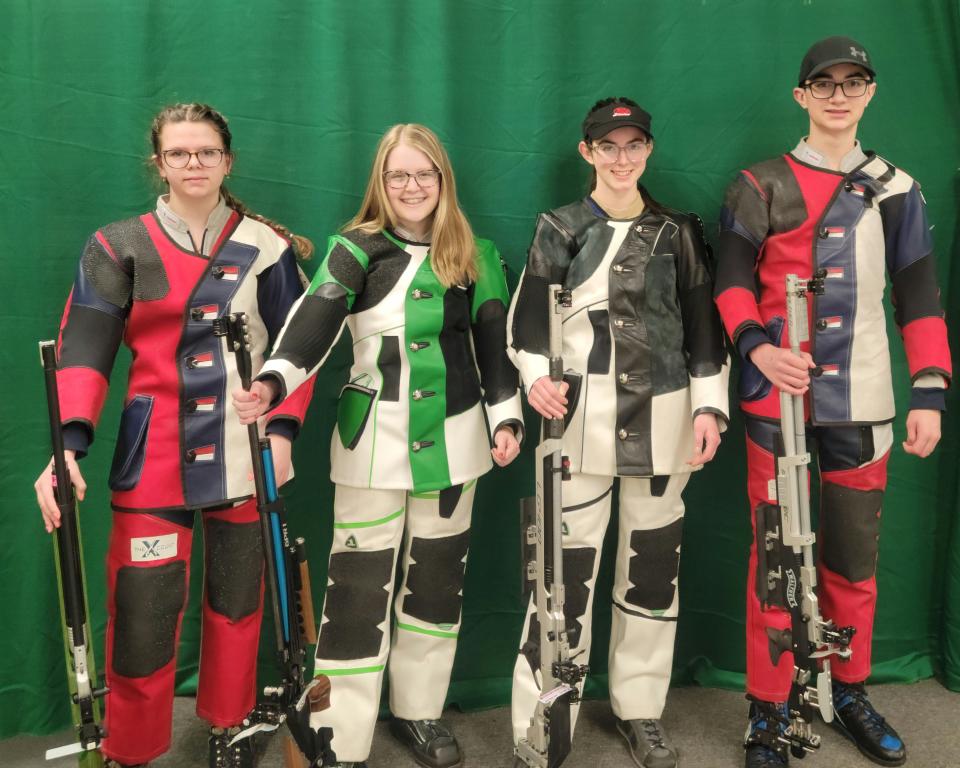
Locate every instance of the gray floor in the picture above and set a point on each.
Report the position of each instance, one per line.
(706, 724)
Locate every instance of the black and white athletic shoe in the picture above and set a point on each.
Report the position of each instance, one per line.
(856, 719)
(648, 743)
(430, 742)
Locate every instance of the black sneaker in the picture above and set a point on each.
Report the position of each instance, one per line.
(762, 740)
(648, 743)
(225, 755)
(859, 721)
(430, 741)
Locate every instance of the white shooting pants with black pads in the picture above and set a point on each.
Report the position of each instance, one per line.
(645, 600)
(354, 637)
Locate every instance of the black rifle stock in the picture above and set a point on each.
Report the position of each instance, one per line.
(81, 672)
(287, 574)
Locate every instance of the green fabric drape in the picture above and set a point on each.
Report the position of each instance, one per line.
(309, 87)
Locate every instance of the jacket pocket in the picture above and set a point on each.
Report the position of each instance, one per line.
(353, 411)
(131, 444)
(753, 384)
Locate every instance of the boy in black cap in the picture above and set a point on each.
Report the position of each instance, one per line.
(829, 207)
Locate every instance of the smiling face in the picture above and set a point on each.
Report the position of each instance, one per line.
(413, 205)
(617, 178)
(839, 114)
(193, 183)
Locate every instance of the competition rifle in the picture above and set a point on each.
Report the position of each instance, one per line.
(548, 738)
(785, 549)
(288, 576)
(81, 672)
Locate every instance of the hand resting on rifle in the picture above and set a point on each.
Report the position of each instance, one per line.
(45, 493)
(785, 370)
(547, 398)
(253, 404)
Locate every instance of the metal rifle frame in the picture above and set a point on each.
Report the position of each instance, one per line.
(549, 736)
(287, 573)
(84, 696)
(787, 555)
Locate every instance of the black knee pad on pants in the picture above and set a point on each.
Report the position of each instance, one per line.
(148, 602)
(849, 530)
(234, 567)
(355, 605)
(435, 578)
(654, 566)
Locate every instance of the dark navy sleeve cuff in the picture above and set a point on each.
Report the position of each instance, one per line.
(288, 428)
(928, 399)
(750, 338)
(77, 437)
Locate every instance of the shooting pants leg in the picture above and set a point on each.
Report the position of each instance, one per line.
(645, 598)
(853, 475)
(232, 610)
(586, 512)
(354, 638)
(148, 570)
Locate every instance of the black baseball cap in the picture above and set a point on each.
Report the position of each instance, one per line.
(600, 121)
(833, 50)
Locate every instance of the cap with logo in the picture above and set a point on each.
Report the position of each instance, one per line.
(615, 115)
(834, 50)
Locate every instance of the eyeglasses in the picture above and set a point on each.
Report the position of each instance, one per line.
(180, 158)
(851, 87)
(635, 150)
(400, 179)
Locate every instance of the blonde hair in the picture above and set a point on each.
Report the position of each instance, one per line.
(452, 250)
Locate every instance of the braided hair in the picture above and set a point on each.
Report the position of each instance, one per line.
(204, 113)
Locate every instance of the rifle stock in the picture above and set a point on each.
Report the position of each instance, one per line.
(71, 586)
(288, 576)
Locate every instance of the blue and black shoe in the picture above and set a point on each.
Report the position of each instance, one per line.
(859, 721)
(768, 721)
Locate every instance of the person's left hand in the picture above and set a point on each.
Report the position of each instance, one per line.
(923, 432)
(706, 439)
(282, 449)
(505, 446)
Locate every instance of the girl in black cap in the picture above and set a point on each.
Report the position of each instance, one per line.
(644, 399)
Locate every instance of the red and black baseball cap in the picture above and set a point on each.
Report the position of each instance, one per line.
(834, 50)
(618, 113)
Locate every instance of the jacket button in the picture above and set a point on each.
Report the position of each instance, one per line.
(821, 324)
(191, 456)
(817, 372)
(196, 313)
(618, 322)
(191, 362)
(191, 406)
(622, 434)
(623, 378)
(217, 273)
(618, 268)
(416, 346)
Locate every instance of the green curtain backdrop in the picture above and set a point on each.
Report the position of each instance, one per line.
(309, 86)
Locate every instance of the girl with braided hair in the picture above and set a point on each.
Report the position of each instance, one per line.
(644, 399)
(157, 282)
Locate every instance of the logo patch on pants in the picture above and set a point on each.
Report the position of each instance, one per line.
(148, 548)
